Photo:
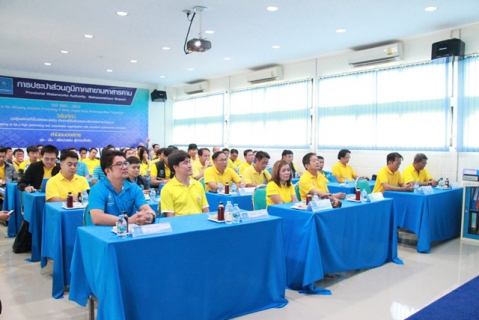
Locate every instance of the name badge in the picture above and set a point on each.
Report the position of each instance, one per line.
(427, 190)
(374, 197)
(319, 205)
(151, 229)
(254, 215)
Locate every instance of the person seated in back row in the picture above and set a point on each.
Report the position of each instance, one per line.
(313, 183)
(389, 178)
(417, 172)
(183, 195)
(160, 171)
(37, 171)
(219, 172)
(66, 181)
(256, 174)
(134, 174)
(342, 170)
(280, 189)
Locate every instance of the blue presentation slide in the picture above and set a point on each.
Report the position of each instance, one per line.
(67, 114)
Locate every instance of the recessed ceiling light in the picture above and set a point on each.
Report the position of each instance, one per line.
(88, 36)
(210, 31)
(227, 59)
(63, 51)
(166, 48)
(109, 70)
(122, 13)
(272, 8)
(162, 77)
(275, 47)
(431, 9)
(47, 63)
(341, 30)
(133, 61)
(190, 69)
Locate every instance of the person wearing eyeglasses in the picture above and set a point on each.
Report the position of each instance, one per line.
(417, 172)
(111, 196)
(37, 171)
(66, 180)
(220, 172)
(389, 178)
(342, 170)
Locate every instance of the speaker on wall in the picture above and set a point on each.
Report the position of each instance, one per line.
(158, 96)
(448, 48)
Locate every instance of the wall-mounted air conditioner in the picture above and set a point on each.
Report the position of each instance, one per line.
(382, 54)
(270, 74)
(198, 87)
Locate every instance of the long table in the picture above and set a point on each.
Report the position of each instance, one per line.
(245, 202)
(33, 205)
(58, 239)
(350, 188)
(12, 201)
(202, 270)
(355, 236)
(432, 217)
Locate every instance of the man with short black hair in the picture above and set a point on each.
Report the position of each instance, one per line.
(83, 151)
(182, 195)
(7, 171)
(417, 172)
(115, 194)
(9, 155)
(248, 157)
(389, 178)
(32, 153)
(92, 161)
(134, 174)
(193, 152)
(66, 180)
(288, 156)
(220, 173)
(235, 162)
(160, 171)
(203, 163)
(82, 169)
(36, 172)
(18, 156)
(256, 174)
(155, 148)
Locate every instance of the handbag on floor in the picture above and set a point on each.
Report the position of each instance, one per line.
(23, 240)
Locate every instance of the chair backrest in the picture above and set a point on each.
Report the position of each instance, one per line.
(363, 184)
(296, 189)
(259, 198)
(202, 181)
(330, 176)
(87, 221)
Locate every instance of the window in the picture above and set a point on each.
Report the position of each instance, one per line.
(199, 120)
(385, 109)
(274, 116)
(468, 111)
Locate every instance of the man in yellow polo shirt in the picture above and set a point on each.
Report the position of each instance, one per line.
(219, 172)
(256, 174)
(235, 162)
(389, 178)
(202, 164)
(18, 156)
(32, 153)
(182, 195)
(92, 162)
(342, 170)
(66, 180)
(160, 171)
(193, 152)
(313, 183)
(248, 157)
(417, 172)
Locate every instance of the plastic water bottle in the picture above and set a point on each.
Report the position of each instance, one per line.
(121, 227)
(152, 194)
(84, 198)
(440, 183)
(236, 214)
(346, 181)
(228, 213)
(220, 187)
(416, 187)
(233, 188)
(364, 196)
(315, 197)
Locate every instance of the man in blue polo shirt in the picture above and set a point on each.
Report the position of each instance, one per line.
(114, 194)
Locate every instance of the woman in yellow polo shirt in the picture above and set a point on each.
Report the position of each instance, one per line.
(145, 161)
(280, 189)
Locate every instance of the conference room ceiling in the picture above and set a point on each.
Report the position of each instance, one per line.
(34, 32)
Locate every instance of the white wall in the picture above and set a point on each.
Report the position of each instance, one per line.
(416, 49)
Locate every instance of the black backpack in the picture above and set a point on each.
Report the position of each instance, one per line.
(23, 240)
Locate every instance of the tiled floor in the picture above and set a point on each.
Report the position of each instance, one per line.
(389, 292)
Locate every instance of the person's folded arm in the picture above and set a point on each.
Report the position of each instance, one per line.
(276, 198)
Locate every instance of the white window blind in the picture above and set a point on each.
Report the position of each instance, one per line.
(468, 111)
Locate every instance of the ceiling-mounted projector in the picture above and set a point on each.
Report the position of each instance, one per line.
(198, 45)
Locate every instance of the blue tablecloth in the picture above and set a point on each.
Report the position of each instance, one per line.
(11, 201)
(59, 232)
(355, 236)
(335, 187)
(244, 202)
(203, 270)
(431, 217)
(33, 205)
